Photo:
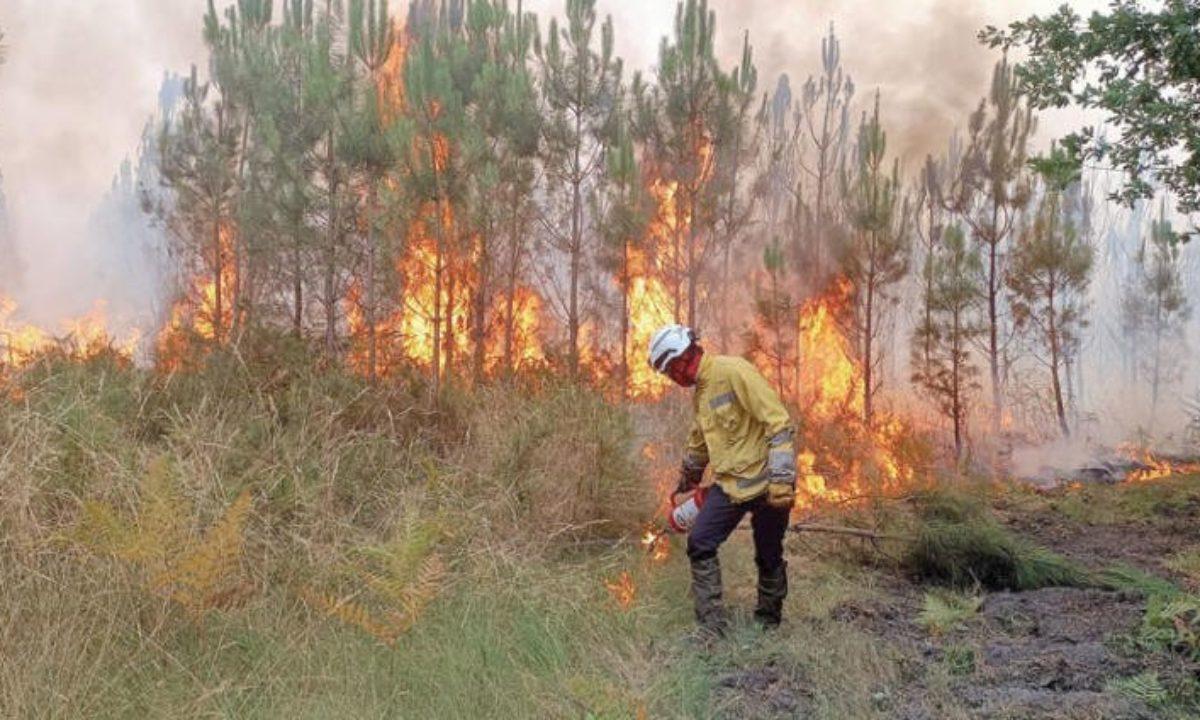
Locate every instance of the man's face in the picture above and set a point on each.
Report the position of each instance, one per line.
(682, 370)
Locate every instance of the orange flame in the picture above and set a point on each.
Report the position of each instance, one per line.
(657, 543)
(1154, 468)
(194, 315)
(83, 337)
(622, 589)
(853, 460)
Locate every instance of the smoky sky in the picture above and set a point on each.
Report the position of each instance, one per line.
(82, 77)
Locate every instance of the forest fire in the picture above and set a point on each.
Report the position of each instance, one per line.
(649, 309)
(1149, 467)
(838, 445)
(205, 310)
(82, 337)
(435, 315)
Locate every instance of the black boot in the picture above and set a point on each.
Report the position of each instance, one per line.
(706, 589)
(772, 589)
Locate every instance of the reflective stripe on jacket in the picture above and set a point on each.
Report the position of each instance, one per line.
(740, 428)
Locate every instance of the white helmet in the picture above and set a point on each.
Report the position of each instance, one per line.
(669, 343)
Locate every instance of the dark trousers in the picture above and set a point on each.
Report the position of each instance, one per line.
(720, 516)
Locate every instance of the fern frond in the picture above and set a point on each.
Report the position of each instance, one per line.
(1145, 687)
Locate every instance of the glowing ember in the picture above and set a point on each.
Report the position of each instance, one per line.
(622, 589)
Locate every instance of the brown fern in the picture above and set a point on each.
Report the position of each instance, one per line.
(197, 575)
(403, 602)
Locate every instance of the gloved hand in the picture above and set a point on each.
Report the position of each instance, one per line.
(781, 471)
(781, 493)
(690, 475)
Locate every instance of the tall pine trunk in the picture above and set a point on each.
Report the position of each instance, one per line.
(297, 289)
(1055, 362)
(218, 254)
(479, 307)
(994, 339)
(372, 339)
(332, 241)
(510, 287)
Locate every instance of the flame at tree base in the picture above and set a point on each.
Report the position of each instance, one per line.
(842, 458)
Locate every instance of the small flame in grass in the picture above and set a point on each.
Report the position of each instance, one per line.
(622, 589)
(1154, 468)
(657, 544)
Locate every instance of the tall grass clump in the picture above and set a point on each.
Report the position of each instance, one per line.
(957, 543)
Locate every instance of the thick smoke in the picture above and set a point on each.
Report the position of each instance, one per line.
(79, 84)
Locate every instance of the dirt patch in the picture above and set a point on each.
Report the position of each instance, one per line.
(1142, 545)
(762, 692)
(1047, 653)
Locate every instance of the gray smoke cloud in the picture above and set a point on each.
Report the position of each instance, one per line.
(80, 82)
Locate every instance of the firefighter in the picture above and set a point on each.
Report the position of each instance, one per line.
(742, 430)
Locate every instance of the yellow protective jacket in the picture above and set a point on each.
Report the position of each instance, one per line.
(740, 428)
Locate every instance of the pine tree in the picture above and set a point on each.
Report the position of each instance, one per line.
(519, 169)
(988, 193)
(1155, 307)
(825, 103)
(624, 232)
(433, 126)
(579, 88)
(928, 226)
(328, 86)
(369, 147)
(290, 134)
(874, 255)
(1051, 269)
(943, 340)
(772, 341)
(507, 123)
(199, 165)
(238, 64)
(678, 121)
(736, 139)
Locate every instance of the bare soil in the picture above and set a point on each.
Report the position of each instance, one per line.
(1047, 654)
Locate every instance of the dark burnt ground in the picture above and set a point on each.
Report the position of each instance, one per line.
(1046, 653)
(1057, 653)
(1141, 525)
(1052, 652)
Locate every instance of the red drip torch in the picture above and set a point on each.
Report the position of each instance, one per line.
(683, 512)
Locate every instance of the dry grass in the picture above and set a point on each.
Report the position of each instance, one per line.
(265, 539)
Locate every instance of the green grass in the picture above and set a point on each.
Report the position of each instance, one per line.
(1124, 503)
(944, 611)
(981, 553)
(1186, 562)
